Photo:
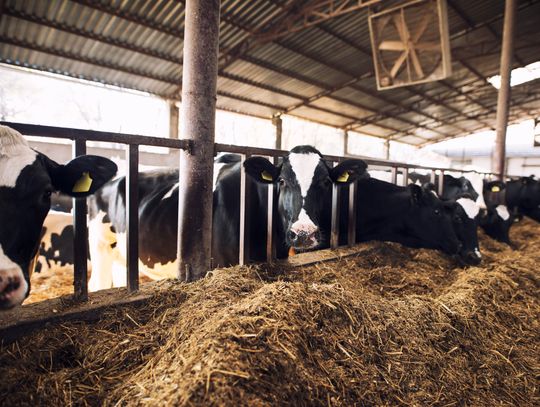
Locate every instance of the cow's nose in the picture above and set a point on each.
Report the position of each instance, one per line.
(13, 288)
(303, 239)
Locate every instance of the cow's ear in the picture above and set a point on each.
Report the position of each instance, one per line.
(261, 170)
(416, 193)
(83, 175)
(348, 171)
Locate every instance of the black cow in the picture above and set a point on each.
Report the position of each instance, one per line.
(522, 196)
(302, 218)
(492, 213)
(27, 179)
(408, 215)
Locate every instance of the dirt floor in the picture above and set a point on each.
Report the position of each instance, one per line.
(391, 326)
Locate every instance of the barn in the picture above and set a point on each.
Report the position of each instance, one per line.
(271, 267)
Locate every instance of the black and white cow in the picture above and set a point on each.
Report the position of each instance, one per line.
(302, 215)
(492, 215)
(27, 179)
(408, 215)
(56, 247)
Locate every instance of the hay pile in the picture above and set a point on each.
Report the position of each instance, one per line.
(391, 327)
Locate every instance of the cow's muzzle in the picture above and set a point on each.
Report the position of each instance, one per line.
(13, 288)
(304, 240)
(471, 258)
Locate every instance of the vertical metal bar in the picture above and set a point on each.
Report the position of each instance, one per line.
(503, 98)
(278, 123)
(243, 255)
(440, 187)
(432, 177)
(351, 235)
(334, 234)
(80, 244)
(394, 175)
(174, 120)
(345, 142)
(405, 181)
(198, 119)
(132, 217)
(270, 244)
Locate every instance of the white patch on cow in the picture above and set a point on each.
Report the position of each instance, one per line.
(477, 252)
(217, 170)
(304, 225)
(170, 191)
(109, 264)
(15, 154)
(470, 207)
(102, 255)
(502, 211)
(304, 165)
(10, 270)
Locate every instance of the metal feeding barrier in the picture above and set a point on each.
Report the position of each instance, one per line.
(132, 144)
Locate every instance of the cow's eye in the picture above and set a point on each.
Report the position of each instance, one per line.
(47, 194)
(282, 182)
(437, 212)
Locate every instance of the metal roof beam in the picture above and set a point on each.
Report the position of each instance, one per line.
(134, 18)
(90, 61)
(313, 13)
(461, 13)
(89, 35)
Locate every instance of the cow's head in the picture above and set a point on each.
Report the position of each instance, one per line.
(430, 221)
(464, 212)
(465, 222)
(454, 187)
(529, 193)
(27, 179)
(496, 222)
(304, 188)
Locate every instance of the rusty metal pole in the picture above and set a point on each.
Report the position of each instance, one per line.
(174, 117)
(503, 99)
(278, 124)
(198, 114)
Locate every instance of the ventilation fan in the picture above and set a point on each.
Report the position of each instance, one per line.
(410, 43)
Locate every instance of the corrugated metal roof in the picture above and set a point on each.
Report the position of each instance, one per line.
(322, 73)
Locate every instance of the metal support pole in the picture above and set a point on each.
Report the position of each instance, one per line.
(387, 150)
(334, 234)
(278, 124)
(345, 142)
(174, 120)
(440, 187)
(272, 203)
(351, 235)
(198, 117)
(393, 172)
(245, 210)
(405, 180)
(132, 217)
(80, 242)
(432, 177)
(503, 99)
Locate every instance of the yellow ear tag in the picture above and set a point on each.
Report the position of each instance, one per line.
(266, 176)
(343, 177)
(83, 184)
(495, 189)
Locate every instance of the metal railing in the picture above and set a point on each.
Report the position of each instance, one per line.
(133, 142)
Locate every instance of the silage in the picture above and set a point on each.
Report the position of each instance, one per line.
(392, 326)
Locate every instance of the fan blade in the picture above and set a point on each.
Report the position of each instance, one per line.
(392, 46)
(397, 65)
(428, 46)
(421, 28)
(416, 63)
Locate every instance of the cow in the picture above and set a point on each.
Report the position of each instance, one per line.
(522, 196)
(27, 180)
(302, 215)
(407, 215)
(460, 196)
(56, 247)
(493, 219)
